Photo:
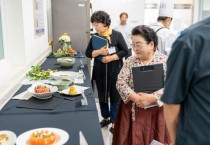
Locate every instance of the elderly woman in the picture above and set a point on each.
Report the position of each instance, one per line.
(106, 70)
(135, 125)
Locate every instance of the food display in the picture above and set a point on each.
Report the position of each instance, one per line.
(72, 90)
(67, 52)
(42, 89)
(4, 138)
(43, 137)
(37, 74)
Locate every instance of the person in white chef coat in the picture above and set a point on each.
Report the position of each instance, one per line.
(166, 37)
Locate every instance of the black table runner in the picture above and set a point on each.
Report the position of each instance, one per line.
(69, 115)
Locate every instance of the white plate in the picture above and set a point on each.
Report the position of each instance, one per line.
(66, 91)
(11, 135)
(68, 75)
(64, 136)
(43, 95)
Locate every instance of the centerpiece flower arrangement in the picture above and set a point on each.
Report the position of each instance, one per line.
(65, 42)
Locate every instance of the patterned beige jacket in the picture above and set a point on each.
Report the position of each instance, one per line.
(125, 80)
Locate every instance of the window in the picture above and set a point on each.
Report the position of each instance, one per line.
(1, 38)
(204, 9)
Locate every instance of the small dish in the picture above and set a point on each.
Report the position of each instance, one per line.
(77, 88)
(11, 137)
(44, 95)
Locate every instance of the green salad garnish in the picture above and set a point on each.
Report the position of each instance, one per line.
(37, 74)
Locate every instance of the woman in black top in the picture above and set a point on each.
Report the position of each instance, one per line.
(105, 71)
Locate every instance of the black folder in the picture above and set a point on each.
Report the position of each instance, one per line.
(98, 43)
(148, 78)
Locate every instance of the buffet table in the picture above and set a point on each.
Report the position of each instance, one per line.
(69, 115)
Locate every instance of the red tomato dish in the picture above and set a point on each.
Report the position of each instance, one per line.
(42, 89)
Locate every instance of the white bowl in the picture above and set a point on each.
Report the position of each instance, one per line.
(62, 75)
(43, 95)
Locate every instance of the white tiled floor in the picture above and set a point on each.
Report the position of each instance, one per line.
(107, 135)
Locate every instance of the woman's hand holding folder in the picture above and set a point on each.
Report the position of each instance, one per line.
(109, 58)
(145, 99)
(102, 51)
(142, 99)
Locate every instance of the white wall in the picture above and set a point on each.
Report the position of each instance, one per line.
(49, 19)
(12, 22)
(134, 8)
(22, 48)
(33, 46)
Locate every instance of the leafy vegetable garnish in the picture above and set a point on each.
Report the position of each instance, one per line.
(36, 74)
(67, 52)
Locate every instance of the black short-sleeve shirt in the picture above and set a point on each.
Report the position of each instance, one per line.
(188, 84)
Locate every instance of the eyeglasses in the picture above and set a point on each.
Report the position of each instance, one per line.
(138, 45)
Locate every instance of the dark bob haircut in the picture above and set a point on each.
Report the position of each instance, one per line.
(101, 17)
(146, 32)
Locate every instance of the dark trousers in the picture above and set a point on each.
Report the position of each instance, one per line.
(129, 53)
(107, 111)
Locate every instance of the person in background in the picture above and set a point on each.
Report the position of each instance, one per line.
(166, 37)
(105, 72)
(187, 89)
(135, 125)
(125, 29)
